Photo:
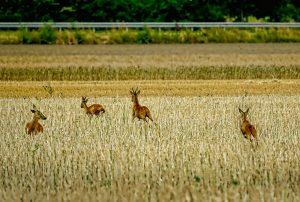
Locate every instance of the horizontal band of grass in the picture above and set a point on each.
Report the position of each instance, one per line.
(157, 88)
(48, 35)
(142, 73)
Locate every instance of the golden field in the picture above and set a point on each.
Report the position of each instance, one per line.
(151, 62)
(162, 56)
(191, 88)
(193, 152)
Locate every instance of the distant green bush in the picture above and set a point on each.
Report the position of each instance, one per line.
(48, 35)
(10, 37)
(144, 36)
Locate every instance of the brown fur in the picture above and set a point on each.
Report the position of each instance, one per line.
(248, 130)
(94, 109)
(138, 111)
(34, 127)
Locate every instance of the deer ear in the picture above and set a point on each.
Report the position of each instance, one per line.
(138, 92)
(241, 111)
(246, 112)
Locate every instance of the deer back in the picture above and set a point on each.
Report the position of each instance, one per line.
(95, 109)
(34, 127)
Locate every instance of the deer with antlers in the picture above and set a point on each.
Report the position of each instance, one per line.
(248, 130)
(138, 111)
(94, 109)
(33, 127)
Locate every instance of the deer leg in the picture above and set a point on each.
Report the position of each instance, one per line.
(149, 116)
(244, 134)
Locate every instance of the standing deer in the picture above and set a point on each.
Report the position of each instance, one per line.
(94, 109)
(138, 111)
(248, 130)
(34, 127)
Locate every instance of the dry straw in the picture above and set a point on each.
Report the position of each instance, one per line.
(196, 151)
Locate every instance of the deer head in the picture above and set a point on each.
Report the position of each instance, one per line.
(134, 93)
(244, 114)
(37, 113)
(83, 101)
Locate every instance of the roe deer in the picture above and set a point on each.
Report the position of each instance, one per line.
(34, 127)
(138, 111)
(248, 130)
(94, 109)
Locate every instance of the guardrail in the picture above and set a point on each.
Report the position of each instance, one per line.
(94, 25)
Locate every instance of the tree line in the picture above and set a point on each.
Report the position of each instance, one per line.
(149, 10)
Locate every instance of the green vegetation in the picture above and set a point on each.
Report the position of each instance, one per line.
(144, 73)
(150, 10)
(48, 35)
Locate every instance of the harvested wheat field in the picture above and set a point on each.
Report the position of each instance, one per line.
(193, 151)
(151, 62)
(191, 88)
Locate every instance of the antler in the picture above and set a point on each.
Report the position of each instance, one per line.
(131, 91)
(135, 91)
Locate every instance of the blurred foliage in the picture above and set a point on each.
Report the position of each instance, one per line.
(48, 35)
(149, 10)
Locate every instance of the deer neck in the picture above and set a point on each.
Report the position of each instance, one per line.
(136, 102)
(244, 120)
(85, 107)
(35, 120)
